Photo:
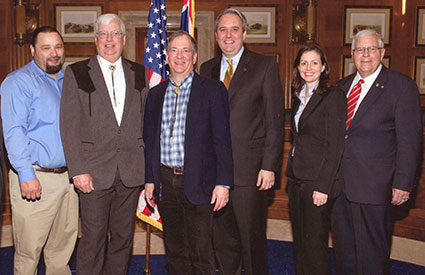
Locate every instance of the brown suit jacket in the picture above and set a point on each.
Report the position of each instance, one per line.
(256, 115)
(92, 140)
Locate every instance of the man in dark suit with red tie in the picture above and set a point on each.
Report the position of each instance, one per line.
(382, 152)
(256, 126)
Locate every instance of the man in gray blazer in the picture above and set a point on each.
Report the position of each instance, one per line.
(101, 127)
(256, 127)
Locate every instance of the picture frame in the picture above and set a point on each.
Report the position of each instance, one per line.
(357, 18)
(76, 21)
(69, 59)
(262, 23)
(420, 73)
(275, 57)
(420, 26)
(349, 68)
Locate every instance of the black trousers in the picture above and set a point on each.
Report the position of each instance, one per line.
(110, 210)
(361, 236)
(240, 233)
(310, 229)
(187, 229)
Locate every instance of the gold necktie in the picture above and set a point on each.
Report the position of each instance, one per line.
(112, 69)
(229, 74)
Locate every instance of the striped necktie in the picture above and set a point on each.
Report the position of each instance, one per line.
(229, 74)
(353, 98)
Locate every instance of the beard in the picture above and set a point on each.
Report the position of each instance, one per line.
(53, 69)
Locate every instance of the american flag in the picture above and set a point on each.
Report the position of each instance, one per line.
(188, 17)
(156, 43)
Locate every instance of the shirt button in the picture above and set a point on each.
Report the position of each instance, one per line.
(346, 136)
(119, 131)
(118, 150)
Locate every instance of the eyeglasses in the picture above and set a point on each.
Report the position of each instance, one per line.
(362, 50)
(104, 34)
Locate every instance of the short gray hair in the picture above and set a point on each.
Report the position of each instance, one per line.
(367, 32)
(106, 19)
(235, 12)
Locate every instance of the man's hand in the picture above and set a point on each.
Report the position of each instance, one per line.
(265, 179)
(149, 188)
(31, 190)
(220, 197)
(319, 198)
(399, 197)
(84, 183)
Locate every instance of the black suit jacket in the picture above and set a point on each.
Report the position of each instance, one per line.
(383, 145)
(319, 141)
(256, 115)
(207, 146)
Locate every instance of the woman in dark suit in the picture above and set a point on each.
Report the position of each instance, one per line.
(318, 126)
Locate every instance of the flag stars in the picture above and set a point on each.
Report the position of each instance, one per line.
(153, 35)
(155, 10)
(155, 45)
(150, 25)
(148, 50)
(164, 17)
(150, 59)
(162, 41)
(162, 7)
(158, 55)
(158, 21)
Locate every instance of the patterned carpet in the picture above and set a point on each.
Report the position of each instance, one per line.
(280, 262)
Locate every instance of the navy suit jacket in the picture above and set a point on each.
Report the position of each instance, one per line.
(207, 148)
(383, 145)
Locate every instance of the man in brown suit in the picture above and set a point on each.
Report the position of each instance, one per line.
(256, 126)
(101, 128)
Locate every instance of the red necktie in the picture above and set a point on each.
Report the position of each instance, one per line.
(352, 102)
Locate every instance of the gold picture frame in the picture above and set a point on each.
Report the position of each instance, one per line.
(76, 21)
(357, 18)
(262, 23)
(420, 26)
(420, 73)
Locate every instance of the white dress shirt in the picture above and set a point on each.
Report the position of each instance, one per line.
(225, 65)
(118, 85)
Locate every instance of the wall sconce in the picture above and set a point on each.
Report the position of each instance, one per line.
(26, 20)
(303, 29)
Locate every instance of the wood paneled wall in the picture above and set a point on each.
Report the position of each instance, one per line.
(330, 22)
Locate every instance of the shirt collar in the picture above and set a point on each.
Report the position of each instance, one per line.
(301, 96)
(39, 72)
(184, 82)
(105, 63)
(235, 59)
(369, 79)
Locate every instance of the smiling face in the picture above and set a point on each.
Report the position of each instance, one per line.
(180, 57)
(230, 35)
(310, 67)
(367, 62)
(48, 52)
(110, 47)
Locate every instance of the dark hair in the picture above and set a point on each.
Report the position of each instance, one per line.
(43, 29)
(178, 33)
(324, 81)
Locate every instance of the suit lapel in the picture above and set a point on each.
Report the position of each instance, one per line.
(375, 91)
(311, 105)
(129, 87)
(295, 105)
(239, 75)
(99, 82)
(193, 111)
(215, 73)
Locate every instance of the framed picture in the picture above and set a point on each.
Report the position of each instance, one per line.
(420, 27)
(76, 21)
(420, 73)
(358, 18)
(349, 68)
(262, 23)
(69, 59)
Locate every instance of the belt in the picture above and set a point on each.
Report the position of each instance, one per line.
(176, 170)
(59, 170)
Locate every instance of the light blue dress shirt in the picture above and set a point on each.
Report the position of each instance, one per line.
(30, 101)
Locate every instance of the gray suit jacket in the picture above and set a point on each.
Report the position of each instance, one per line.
(92, 140)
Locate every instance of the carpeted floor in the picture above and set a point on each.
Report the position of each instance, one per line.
(280, 262)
